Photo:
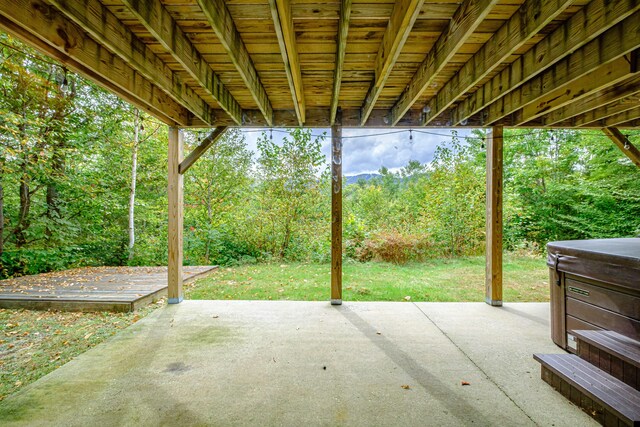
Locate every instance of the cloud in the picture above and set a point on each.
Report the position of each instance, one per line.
(367, 150)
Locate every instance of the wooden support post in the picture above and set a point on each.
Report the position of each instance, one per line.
(336, 210)
(493, 278)
(176, 152)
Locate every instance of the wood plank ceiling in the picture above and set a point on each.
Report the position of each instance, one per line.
(409, 63)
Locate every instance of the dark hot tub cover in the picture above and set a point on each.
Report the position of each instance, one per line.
(614, 261)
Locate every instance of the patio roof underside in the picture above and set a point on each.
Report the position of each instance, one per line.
(409, 63)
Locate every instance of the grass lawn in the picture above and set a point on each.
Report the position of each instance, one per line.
(34, 343)
(525, 279)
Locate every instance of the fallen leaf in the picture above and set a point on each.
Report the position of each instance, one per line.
(215, 316)
(18, 383)
(466, 383)
(407, 298)
(405, 386)
(86, 337)
(378, 333)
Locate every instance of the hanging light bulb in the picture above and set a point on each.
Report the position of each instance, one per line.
(410, 136)
(271, 134)
(65, 85)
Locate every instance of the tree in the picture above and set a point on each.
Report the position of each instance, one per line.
(289, 188)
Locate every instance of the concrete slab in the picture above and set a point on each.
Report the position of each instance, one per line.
(281, 363)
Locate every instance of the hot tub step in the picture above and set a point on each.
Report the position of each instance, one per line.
(608, 400)
(615, 354)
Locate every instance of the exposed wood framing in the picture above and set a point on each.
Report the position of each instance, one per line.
(223, 25)
(465, 21)
(619, 40)
(343, 31)
(598, 80)
(627, 119)
(530, 18)
(175, 201)
(197, 152)
(400, 24)
(283, 23)
(618, 98)
(108, 30)
(587, 24)
(157, 20)
(336, 211)
(493, 277)
(623, 143)
(49, 31)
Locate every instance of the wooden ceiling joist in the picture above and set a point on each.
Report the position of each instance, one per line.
(108, 30)
(583, 27)
(157, 20)
(465, 21)
(400, 24)
(283, 23)
(341, 50)
(610, 46)
(223, 25)
(623, 143)
(48, 30)
(530, 18)
(627, 118)
(608, 76)
(599, 105)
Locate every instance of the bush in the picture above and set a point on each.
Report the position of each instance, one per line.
(394, 247)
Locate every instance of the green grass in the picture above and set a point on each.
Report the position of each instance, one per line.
(34, 343)
(462, 279)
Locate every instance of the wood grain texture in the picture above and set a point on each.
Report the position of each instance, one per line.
(157, 20)
(398, 29)
(283, 25)
(583, 27)
(176, 215)
(531, 17)
(104, 27)
(220, 20)
(493, 277)
(341, 50)
(466, 20)
(336, 211)
(624, 144)
(197, 152)
(600, 53)
(47, 30)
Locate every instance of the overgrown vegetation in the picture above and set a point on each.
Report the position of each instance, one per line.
(67, 151)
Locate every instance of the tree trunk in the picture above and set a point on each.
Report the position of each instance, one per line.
(1, 208)
(134, 173)
(25, 207)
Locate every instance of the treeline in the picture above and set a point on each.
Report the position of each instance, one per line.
(69, 153)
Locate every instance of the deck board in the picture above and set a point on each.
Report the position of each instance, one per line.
(92, 288)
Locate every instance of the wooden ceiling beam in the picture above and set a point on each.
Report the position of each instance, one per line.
(623, 143)
(283, 23)
(584, 26)
(599, 105)
(42, 26)
(223, 25)
(465, 21)
(108, 30)
(157, 20)
(598, 80)
(530, 18)
(341, 49)
(610, 46)
(401, 22)
(619, 119)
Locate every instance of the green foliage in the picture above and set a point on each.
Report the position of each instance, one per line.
(65, 173)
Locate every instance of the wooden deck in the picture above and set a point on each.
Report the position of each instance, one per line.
(92, 288)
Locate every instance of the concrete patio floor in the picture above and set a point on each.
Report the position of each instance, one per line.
(272, 363)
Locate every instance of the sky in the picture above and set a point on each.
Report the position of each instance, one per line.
(367, 150)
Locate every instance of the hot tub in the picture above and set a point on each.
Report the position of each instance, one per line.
(595, 284)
